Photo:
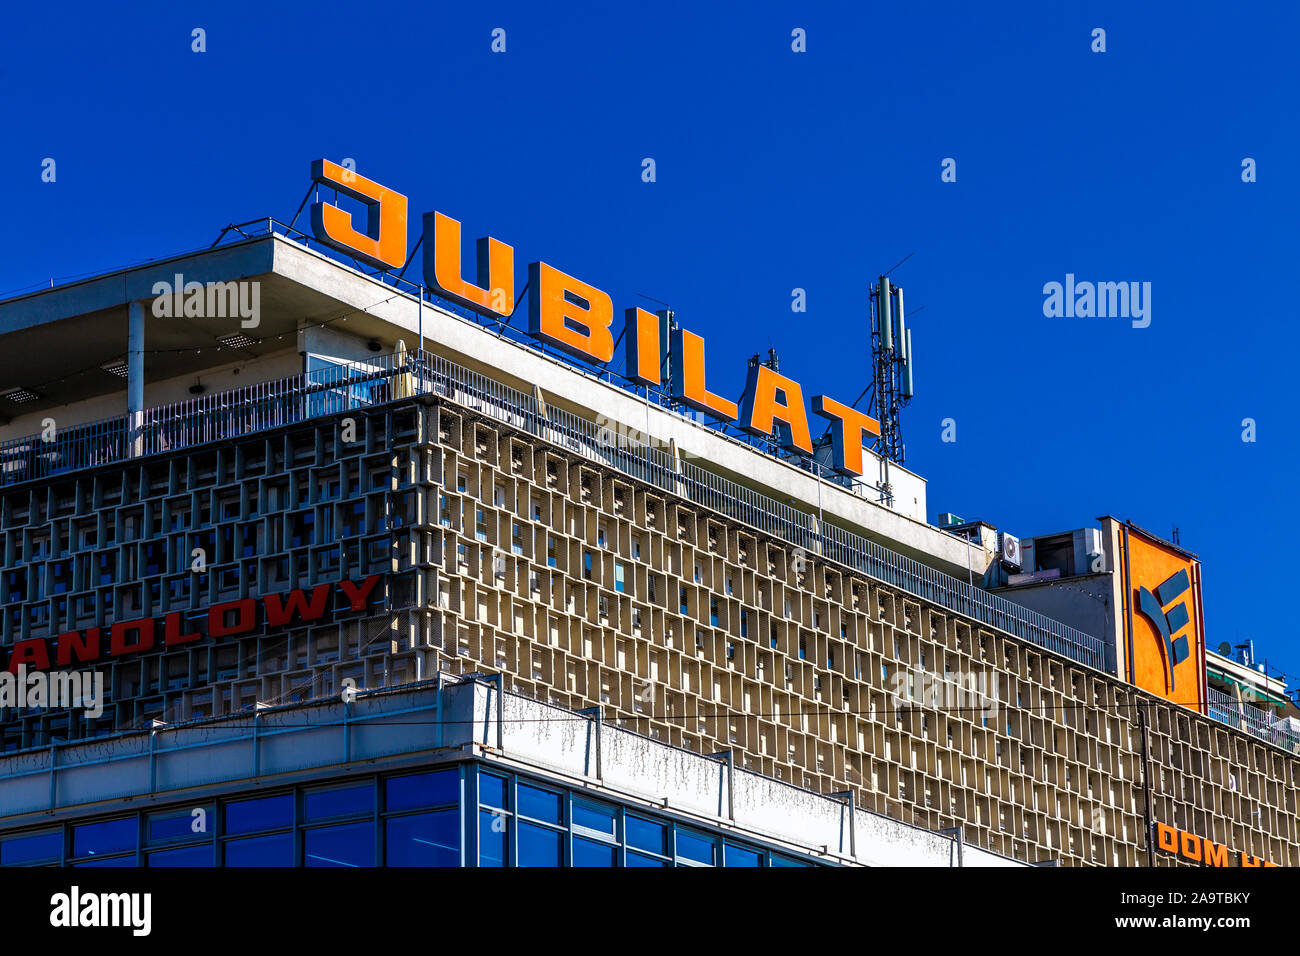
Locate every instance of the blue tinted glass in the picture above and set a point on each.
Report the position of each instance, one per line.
(492, 791)
(107, 837)
(593, 817)
(491, 839)
(538, 804)
(183, 856)
(177, 825)
(260, 814)
(637, 859)
(692, 847)
(423, 790)
(539, 846)
(322, 804)
(786, 861)
(424, 839)
(739, 856)
(274, 850)
(591, 853)
(33, 847)
(646, 835)
(108, 861)
(350, 845)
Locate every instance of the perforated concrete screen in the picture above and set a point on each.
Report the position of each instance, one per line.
(503, 553)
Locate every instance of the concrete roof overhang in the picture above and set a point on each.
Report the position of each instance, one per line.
(55, 342)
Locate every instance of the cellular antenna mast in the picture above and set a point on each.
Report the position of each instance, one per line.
(891, 350)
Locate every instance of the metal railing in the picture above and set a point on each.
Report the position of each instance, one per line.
(225, 415)
(1228, 710)
(658, 397)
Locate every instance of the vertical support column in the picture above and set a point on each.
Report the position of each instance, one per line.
(135, 379)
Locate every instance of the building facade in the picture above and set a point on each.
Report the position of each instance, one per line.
(382, 492)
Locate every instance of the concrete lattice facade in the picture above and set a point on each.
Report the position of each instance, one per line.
(584, 587)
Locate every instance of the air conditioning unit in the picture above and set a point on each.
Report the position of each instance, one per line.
(1009, 550)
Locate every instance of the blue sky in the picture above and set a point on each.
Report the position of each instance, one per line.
(777, 170)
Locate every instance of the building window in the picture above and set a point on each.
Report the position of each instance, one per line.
(348, 844)
(274, 850)
(1055, 553)
(423, 839)
(32, 848)
(261, 813)
(647, 842)
(595, 834)
(202, 855)
(740, 856)
(102, 839)
(539, 813)
(494, 819)
(338, 802)
(176, 826)
(695, 849)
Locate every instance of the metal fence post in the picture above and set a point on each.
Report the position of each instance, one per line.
(959, 839)
(853, 820)
(597, 722)
(729, 759)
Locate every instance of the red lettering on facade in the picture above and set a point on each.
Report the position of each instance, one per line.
(140, 635)
(245, 618)
(359, 595)
(78, 647)
(33, 653)
(280, 612)
(172, 631)
(142, 628)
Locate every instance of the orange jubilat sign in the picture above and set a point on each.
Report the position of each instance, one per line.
(1198, 849)
(575, 317)
(383, 244)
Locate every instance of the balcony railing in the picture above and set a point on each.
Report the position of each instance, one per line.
(226, 415)
(1227, 709)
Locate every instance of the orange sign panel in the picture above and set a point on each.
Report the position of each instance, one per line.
(1166, 634)
(1198, 849)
